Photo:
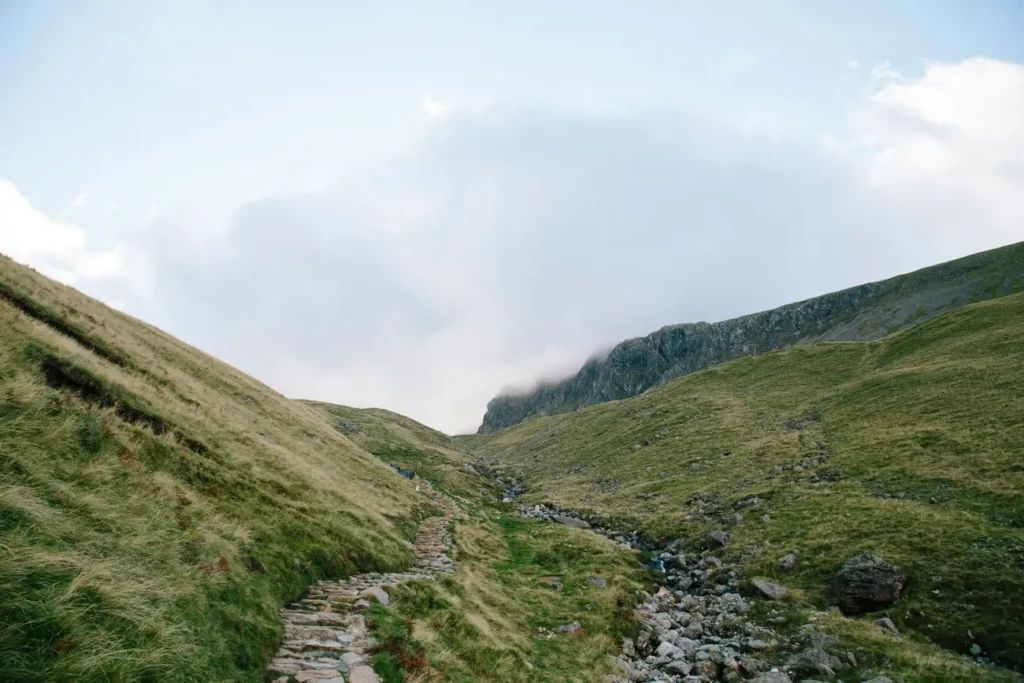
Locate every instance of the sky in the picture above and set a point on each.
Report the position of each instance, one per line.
(417, 206)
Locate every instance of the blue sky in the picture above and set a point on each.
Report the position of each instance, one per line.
(489, 192)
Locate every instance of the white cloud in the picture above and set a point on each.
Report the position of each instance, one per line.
(512, 243)
(949, 147)
(60, 249)
(80, 199)
(435, 107)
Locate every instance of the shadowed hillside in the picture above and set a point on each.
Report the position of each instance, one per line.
(860, 313)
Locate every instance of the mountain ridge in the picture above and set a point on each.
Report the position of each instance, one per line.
(861, 313)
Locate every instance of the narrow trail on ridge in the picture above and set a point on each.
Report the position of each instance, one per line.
(326, 635)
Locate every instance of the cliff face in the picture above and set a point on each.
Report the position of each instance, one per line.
(860, 313)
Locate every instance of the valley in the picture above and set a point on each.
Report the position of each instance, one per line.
(164, 517)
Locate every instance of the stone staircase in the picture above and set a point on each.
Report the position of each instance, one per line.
(326, 635)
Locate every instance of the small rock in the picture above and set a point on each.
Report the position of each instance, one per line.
(768, 589)
(679, 667)
(715, 539)
(667, 649)
(596, 581)
(572, 627)
(787, 563)
(377, 593)
(771, 677)
(748, 503)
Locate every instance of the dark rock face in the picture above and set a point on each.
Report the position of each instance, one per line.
(866, 583)
(865, 312)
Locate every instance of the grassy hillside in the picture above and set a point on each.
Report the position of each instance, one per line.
(909, 447)
(497, 618)
(861, 313)
(158, 506)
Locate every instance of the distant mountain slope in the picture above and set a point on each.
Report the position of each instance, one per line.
(908, 447)
(157, 506)
(860, 313)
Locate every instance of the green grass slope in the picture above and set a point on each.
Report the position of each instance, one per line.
(910, 447)
(158, 506)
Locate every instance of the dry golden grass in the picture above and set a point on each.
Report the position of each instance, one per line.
(157, 505)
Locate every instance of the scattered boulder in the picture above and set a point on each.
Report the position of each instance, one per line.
(814, 661)
(571, 627)
(469, 469)
(787, 563)
(715, 539)
(573, 522)
(679, 667)
(886, 624)
(866, 583)
(768, 589)
(748, 503)
(596, 581)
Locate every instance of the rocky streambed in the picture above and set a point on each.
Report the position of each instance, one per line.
(695, 625)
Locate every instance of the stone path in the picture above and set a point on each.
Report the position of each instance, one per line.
(326, 635)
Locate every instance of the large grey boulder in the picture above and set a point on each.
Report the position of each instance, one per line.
(866, 583)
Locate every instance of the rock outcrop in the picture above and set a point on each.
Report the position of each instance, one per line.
(861, 313)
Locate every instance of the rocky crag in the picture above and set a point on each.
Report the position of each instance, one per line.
(327, 638)
(861, 313)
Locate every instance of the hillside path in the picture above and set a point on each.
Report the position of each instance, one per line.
(326, 635)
